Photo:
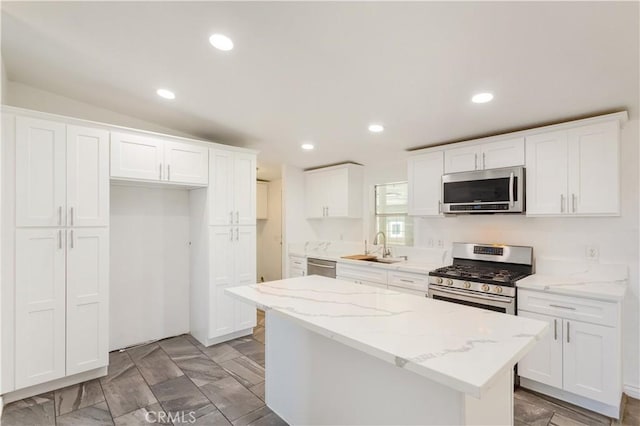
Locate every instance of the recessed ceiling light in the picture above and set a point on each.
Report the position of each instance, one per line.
(167, 94)
(481, 98)
(376, 128)
(221, 42)
(307, 146)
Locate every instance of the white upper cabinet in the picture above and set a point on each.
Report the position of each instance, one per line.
(145, 158)
(575, 171)
(493, 155)
(262, 200)
(425, 184)
(334, 192)
(87, 299)
(40, 172)
(232, 188)
(87, 176)
(136, 157)
(186, 163)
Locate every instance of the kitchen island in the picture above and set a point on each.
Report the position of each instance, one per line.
(342, 353)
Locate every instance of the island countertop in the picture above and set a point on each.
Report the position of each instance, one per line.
(461, 347)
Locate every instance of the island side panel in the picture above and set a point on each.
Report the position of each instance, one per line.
(496, 405)
(311, 379)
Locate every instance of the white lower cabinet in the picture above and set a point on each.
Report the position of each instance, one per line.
(577, 358)
(297, 266)
(61, 305)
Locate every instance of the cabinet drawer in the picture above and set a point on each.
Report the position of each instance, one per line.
(409, 280)
(373, 275)
(587, 310)
(298, 262)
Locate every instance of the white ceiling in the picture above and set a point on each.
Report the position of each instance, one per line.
(323, 71)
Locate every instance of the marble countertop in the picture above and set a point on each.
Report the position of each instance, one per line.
(461, 347)
(590, 284)
(403, 266)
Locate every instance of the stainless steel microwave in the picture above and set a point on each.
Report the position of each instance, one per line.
(484, 191)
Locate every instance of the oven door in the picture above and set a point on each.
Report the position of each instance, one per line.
(484, 191)
(491, 302)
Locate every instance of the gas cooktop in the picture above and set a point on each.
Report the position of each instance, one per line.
(479, 273)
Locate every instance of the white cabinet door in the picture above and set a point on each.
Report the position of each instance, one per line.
(337, 192)
(546, 162)
(87, 176)
(186, 163)
(245, 273)
(462, 159)
(221, 188)
(40, 172)
(507, 153)
(594, 169)
(591, 361)
(262, 200)
(315, 194)
(425, 184)
(87, 299)
(136, 157)
(222, 267)
(40, 306)
(244, 189)
(544, 363)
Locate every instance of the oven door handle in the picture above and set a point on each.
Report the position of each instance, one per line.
(511, 181)
(473, 297)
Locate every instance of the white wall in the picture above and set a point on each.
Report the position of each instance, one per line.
(617, 237)
(23, 96)
(149, 283)
(269, 235)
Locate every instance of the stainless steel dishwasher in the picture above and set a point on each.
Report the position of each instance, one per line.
(325, 268)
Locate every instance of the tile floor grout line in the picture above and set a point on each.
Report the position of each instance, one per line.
(113, 420)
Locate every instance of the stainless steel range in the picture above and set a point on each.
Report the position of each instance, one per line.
(482, 275)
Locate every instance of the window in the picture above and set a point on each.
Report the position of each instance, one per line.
(391, 213)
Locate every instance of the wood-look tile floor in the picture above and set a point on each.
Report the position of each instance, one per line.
(180, 379)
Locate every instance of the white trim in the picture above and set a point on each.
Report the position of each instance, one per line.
(622, 117)
(230, 336)
(52, 385)
(7, 109)
(632, 390)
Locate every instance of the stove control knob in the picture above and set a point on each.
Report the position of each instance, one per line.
(498, 289)
(439, 280)
(485, 287)
(467, 284)
(449, 282)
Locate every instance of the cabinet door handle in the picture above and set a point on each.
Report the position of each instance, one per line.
(71, 238)
(439, 206)
(573, 202)
(475, 161)
(237, 234)
(60, 215)
(561, 203)
(168, 171)
(562, 307)
(71, 216)
(555, 329)
(568, 333)
(327, 211)
(237, 217)
(511, 179)
(160, 172)
(406, 281)
(484, 161)
(231, 218)
(231, 234)
(60, 238)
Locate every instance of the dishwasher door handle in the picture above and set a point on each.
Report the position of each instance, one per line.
(321, 266)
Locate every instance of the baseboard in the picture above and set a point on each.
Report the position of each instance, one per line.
(52, 385)
(227, 337)
(612, 411)
(632, 391)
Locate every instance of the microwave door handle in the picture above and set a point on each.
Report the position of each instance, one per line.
(511, 179)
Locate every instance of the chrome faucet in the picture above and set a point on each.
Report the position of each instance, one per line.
(385, 251)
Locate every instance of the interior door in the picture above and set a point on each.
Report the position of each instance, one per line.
(507, 153)
(137, 157)
(40, 306)
(87, 299)
(546, 162)
(87, 176)
(244, 189)
(544, 363)
(594, 172)
(222, 263)
(221, 188)
(591, 357)
(425, 184)
(463, 159)
(245, 273)
(186, 163)
(40, 172)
